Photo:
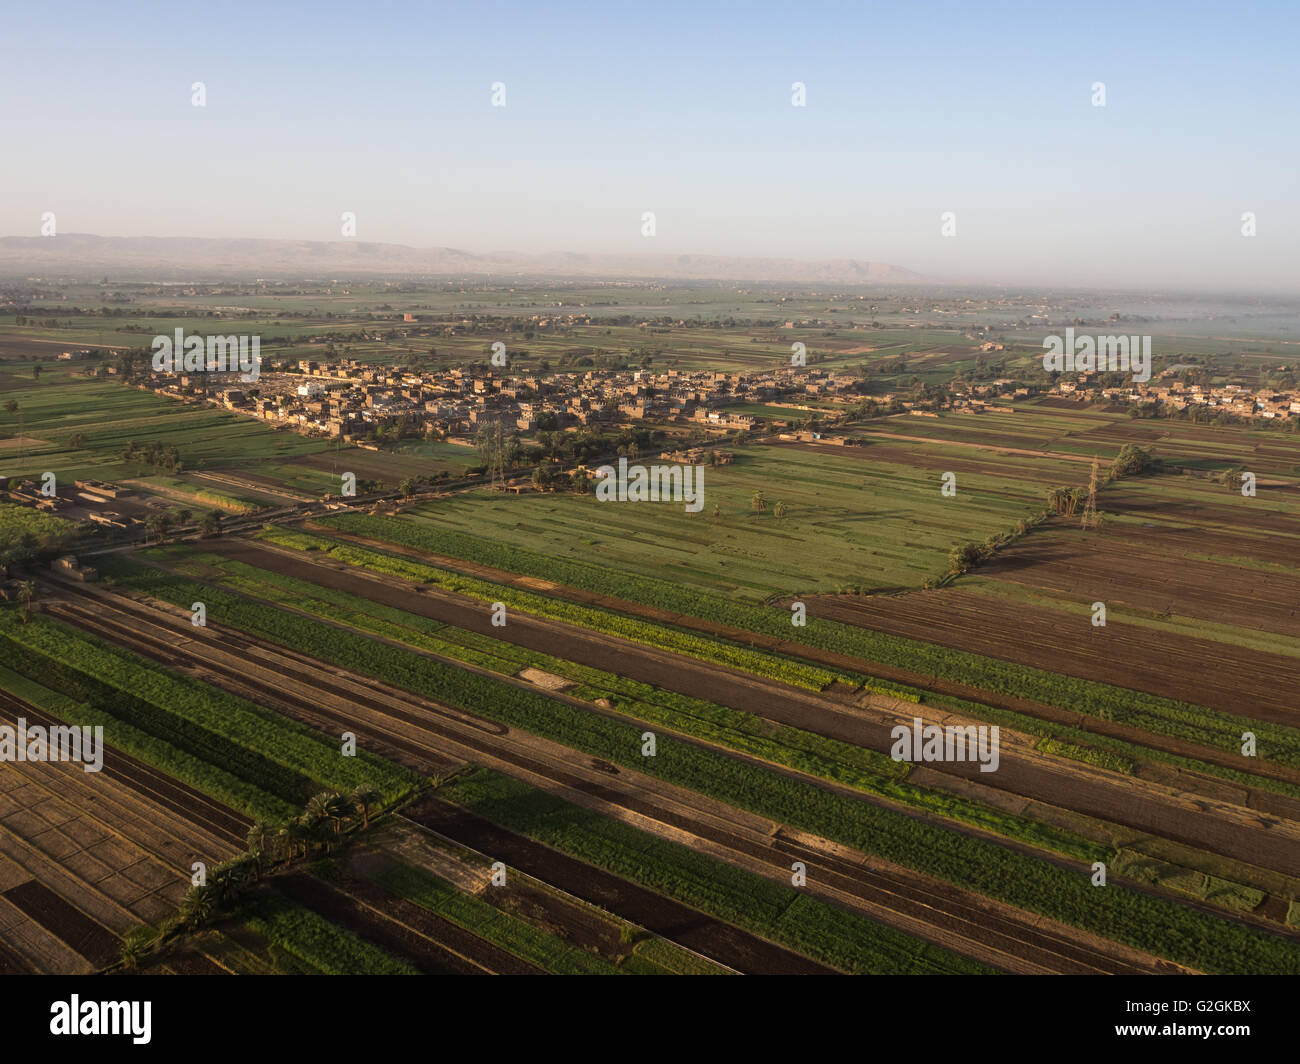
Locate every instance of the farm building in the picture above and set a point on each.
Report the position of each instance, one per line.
(68, 566)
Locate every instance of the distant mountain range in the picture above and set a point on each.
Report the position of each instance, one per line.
(199, 259)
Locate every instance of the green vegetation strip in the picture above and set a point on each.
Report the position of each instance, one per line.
(779, 913)
(313, 939)
(798, 674)
(277, 756)
(1153, 924)
(209, 779)
(515, 936)
(658, 956)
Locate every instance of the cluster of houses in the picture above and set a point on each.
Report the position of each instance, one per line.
(27, 492)
(98, 501)
(1236, 399)
(352, 400)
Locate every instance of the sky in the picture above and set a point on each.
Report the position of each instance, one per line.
(613, 109)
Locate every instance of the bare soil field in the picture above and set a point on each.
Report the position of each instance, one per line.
(1128, 571)
(932, 453)
(1219, 675)
(93, 854)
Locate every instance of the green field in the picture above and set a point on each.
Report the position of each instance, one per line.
(17, 523)
(849, 523)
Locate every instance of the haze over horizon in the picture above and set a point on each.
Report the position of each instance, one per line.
(387, 113)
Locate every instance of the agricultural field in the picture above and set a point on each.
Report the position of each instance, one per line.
(79, 428)
(22, 523)
(1190, 572)
(849, 519)
(374, 658)
(381, 778)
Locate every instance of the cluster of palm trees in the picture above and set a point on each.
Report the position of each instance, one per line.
(318, 829)
(159, 524)
(154, 454)
(500, 449)
(1064, 501)
(758, 503)
(319, 826)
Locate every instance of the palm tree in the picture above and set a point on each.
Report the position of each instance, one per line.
(257, 839)
(284, 843)
(158, 524)
(25, 592)
(778, 511)
(135, 944)
(318, 808)
(338, 809)
(363, 797)
(299, 833)
(225, 884)
(197, 906)
(758, 502)
(1059, 500)
(306, 831)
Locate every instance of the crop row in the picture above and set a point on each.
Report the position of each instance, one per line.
(1162, 716)
(815, 755)
(1150, 923)
(212, 780)
(312, 939)
(798, 674)
(279, 756)
(512, 934)
(780, 913)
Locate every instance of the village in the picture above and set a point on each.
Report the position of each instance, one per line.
(1167, 393)
(356, 402)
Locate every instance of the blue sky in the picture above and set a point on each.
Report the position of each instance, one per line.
(683, 109)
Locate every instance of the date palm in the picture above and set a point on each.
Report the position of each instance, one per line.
(197, 906)
(135, 944)
(363, 797)
(338, 809)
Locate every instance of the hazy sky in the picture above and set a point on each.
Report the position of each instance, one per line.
(615, 108)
